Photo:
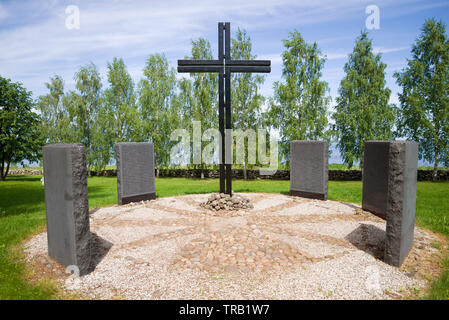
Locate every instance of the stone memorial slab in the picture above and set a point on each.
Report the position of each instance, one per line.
(135, 172)
(309, 169)
(375, 177)
(67, 205)
(389, 191)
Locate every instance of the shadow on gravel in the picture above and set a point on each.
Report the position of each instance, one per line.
(350, 205)
(368, 238)
(100, 248)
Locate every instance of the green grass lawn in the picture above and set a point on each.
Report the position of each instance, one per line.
(22, 214)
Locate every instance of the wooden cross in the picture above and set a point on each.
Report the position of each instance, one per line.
(224, 66)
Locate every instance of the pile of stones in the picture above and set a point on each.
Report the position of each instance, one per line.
(222, 201)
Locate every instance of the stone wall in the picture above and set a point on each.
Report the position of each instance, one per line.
(30, 172)
(426, 175)
(334, 175)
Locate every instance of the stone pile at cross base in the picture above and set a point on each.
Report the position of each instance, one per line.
(222, 201)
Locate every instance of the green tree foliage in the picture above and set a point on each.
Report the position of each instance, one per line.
(246, 98)
(55, 122)
(362, 111)
(299, 108)
(184, 99)
(84, 107)
(159, 119)
(88, 115)
(198, 96)
(120, 103)
(20, 137)
(424, 102)
(204, 102)
(117, 119)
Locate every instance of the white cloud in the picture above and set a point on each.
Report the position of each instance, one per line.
(275, 58)
(336, 55)
(39, 45)
(377, 50)
(394, 99)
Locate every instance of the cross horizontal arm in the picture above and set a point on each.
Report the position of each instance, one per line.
(184, 69)
(248, 63)
(249, 69)
(200, 68)
(185, 62)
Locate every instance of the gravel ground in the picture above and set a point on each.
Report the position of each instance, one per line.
(284, 248)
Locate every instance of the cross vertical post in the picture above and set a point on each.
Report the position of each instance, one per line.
(224, 66)
(221, 107)
(228, 107)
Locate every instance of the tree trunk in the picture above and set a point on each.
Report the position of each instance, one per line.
(7, 168)
(157, 171)
(5, 173)
(202, 174)
(245, 176)
(362, 155)
(435, 165)
(1, 170)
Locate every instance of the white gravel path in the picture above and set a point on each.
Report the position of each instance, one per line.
(284, 248)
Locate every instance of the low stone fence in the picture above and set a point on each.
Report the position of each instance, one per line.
(426, 175)
(30, 172)
(345, 175)
(334, 175)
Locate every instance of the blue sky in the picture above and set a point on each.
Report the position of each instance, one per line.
(35, 43)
